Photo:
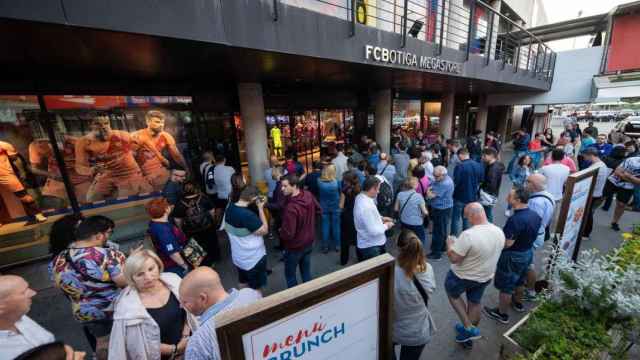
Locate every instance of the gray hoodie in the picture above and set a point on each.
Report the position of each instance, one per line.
(135, 335)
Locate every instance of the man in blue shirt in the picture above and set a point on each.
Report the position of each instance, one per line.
(602, 145)
(467, 177)
(520, 231)
(440, 195)
(520, 147)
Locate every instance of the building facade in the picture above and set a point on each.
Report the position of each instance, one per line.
(128, 90)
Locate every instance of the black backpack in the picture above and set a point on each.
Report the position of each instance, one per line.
(196, 217)
(385, 195)
(207, 178)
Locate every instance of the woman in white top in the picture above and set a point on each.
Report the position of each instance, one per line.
(413, 326)
(148, 321)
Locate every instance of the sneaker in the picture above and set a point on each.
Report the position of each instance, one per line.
(496, 315)
(615, 227)
(468, 335)
(40, 218)
(467, 345)
(434, 257)
(459, 328)
(517, 306)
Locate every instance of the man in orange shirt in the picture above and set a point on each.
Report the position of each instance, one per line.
(116, 172)
(10, 183)
(153, 140)
(43, 163)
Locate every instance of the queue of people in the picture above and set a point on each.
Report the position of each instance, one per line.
(162, 302)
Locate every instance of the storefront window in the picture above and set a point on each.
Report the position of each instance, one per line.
(22, 193)
(406, 114)
(431, 117)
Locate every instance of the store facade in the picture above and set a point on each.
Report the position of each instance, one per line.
(284, 76)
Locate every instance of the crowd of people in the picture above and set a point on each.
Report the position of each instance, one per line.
(433, 198)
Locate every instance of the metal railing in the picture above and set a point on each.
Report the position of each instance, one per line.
(471, 26)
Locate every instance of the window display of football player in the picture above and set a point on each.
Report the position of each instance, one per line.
(10, 182)
(116, 173)
(152, 141)
(43, 163)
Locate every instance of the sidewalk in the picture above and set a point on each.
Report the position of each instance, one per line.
(52, 310)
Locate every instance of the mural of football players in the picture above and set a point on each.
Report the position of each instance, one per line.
(43, 163)
(11, 183)
(116, 173)
(152, 141)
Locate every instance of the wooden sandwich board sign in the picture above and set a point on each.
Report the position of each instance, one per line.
(574, 209)
(342, 315)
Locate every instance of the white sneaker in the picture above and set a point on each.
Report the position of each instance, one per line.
(40, 218)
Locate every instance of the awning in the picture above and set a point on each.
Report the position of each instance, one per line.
(615, 88)
(616, 94)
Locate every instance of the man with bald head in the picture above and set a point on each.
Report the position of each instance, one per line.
(474, 256)
(202, 294)
(18, 333)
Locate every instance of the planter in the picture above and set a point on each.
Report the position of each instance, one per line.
(510, 348)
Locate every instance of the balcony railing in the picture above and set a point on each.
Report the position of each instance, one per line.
(471, 26)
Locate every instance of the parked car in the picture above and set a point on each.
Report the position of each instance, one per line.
(629, 127)
(625, 113)
(583, 115)
(605, 115)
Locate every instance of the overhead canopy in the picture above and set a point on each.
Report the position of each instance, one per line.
(616, 88)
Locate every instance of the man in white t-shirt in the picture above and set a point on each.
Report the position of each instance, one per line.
(370, 225)
(474, 256)
(18, 333)
(222, 177)
(556, 174)
(202, 294)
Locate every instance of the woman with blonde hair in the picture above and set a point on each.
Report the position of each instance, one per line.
(329, 198)
(413, 326)
(148, 321)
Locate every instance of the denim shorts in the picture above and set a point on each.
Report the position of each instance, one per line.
(256, 277)
(512, 269)
(456, 286)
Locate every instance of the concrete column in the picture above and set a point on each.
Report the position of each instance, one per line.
(446, 114)
(483, 115)
(255, 129)
(383, 119)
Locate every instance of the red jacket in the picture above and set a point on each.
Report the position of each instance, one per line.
(298, 228)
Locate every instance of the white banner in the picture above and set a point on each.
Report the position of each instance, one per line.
(575, 215)
(343, 327)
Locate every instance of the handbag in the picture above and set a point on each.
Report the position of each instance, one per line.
(193, 253)
(487, 199)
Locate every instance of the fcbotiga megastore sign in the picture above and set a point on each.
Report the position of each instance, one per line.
(406, 58)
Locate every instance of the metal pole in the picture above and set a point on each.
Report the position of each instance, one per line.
(353, 16)
(529, 53)
(472, 15)
(515, 68)
(45, 119)
(404, 23)
(275, 10)
(487, 50)
(444, 2)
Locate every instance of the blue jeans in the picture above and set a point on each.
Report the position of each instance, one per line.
(419, 231)
(511, 271)
(441, 219)
(457, 216)
(294, 259)
(489, 211)
(330, 229)
(636, 197)
(516, 156)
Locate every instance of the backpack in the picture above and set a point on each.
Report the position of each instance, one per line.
(208, 180)
(196, 217)
(385, 195)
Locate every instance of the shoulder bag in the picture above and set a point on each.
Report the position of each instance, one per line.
(422, 291)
